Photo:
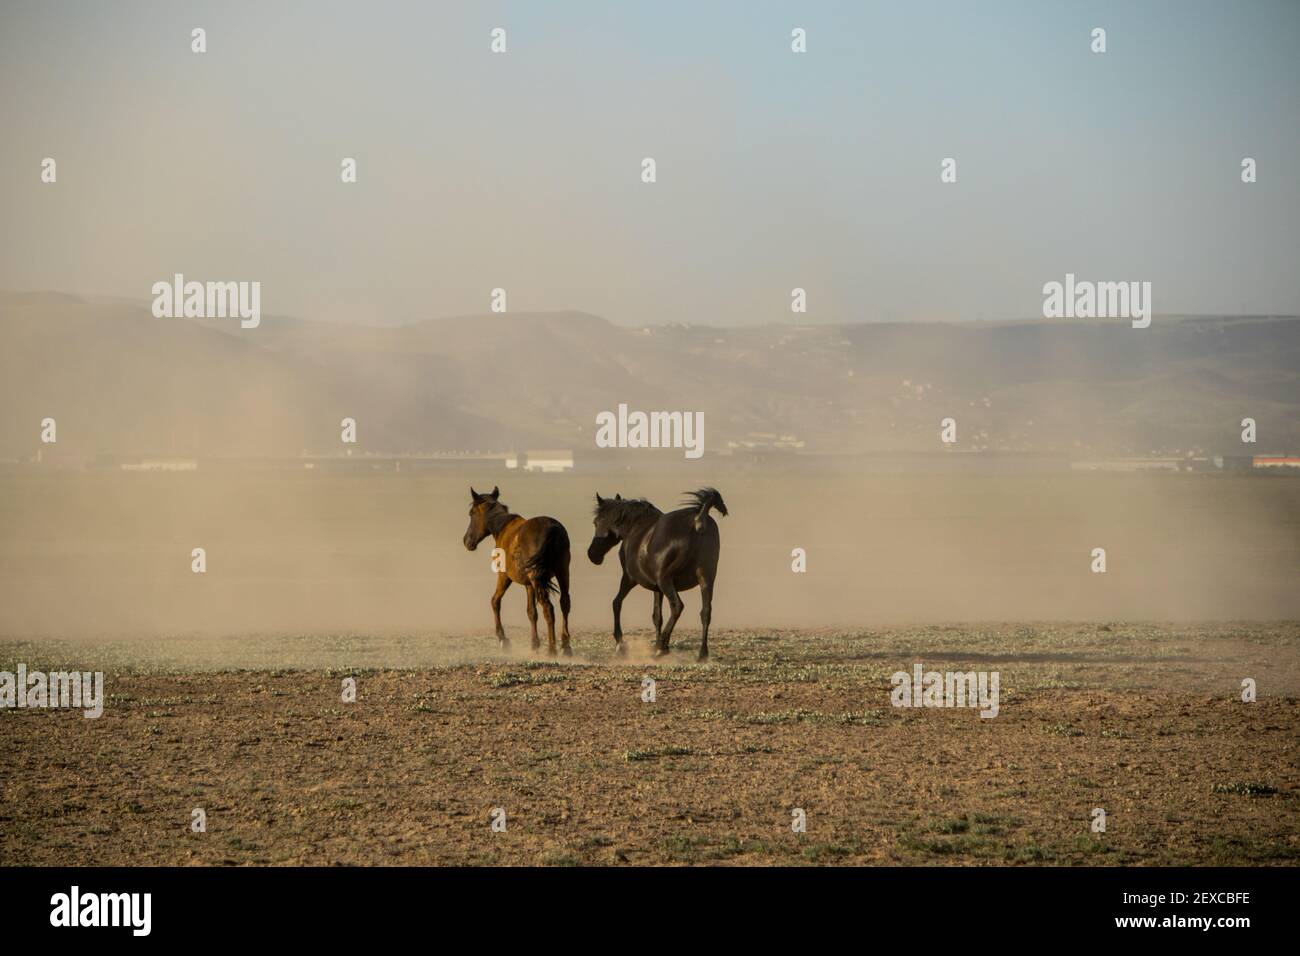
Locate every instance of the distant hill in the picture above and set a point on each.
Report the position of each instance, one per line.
(120, 381)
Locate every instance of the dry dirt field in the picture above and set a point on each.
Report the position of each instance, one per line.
(1144, 721)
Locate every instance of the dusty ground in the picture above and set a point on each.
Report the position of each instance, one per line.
(1144, 721)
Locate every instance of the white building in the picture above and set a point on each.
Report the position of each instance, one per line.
(549, 460)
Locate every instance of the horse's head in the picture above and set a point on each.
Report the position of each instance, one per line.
(480, 511)
(606, 535)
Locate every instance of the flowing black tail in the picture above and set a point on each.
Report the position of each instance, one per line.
(541, 567)
(704, 499)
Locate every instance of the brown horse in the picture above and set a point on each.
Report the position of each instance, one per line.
(664, 553)
(536, 550)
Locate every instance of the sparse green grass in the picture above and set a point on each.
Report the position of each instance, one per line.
(1245, 789)
(1092, 844)
(1063, 730)
(632, 756)
(869, 718)
(512, 679)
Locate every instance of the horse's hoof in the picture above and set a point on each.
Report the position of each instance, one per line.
(661, 652)
(568, 651)
(620, 650)
(703, 656)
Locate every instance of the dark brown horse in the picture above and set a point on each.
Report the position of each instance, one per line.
(535, 550)
(664, 553)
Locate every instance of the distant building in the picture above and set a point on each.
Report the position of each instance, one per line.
(549, 460)
(758, 441)
(1245, 464)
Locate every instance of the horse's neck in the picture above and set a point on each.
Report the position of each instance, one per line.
(636, 524)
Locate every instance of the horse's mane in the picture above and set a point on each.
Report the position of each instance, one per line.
(623, 510)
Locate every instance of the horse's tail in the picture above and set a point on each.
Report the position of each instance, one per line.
(704, 500)
(544, 563)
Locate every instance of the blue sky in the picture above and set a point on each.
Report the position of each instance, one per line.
(775, 170)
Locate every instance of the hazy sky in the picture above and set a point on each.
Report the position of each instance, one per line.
(775, 169)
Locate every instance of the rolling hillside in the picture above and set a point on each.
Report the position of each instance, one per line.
(120, 381)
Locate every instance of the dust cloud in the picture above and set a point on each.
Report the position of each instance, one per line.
(104, 553)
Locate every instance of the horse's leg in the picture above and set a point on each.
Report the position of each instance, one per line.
(677, 604)
(532, 614)
(624, 586)
(706, 610)
(548, 612)
(562, 578)
(657, 615)
(503, 582)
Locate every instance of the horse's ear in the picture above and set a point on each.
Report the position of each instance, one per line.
(617, 496)
(472, 493)
(496, 493)
(599, 499)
